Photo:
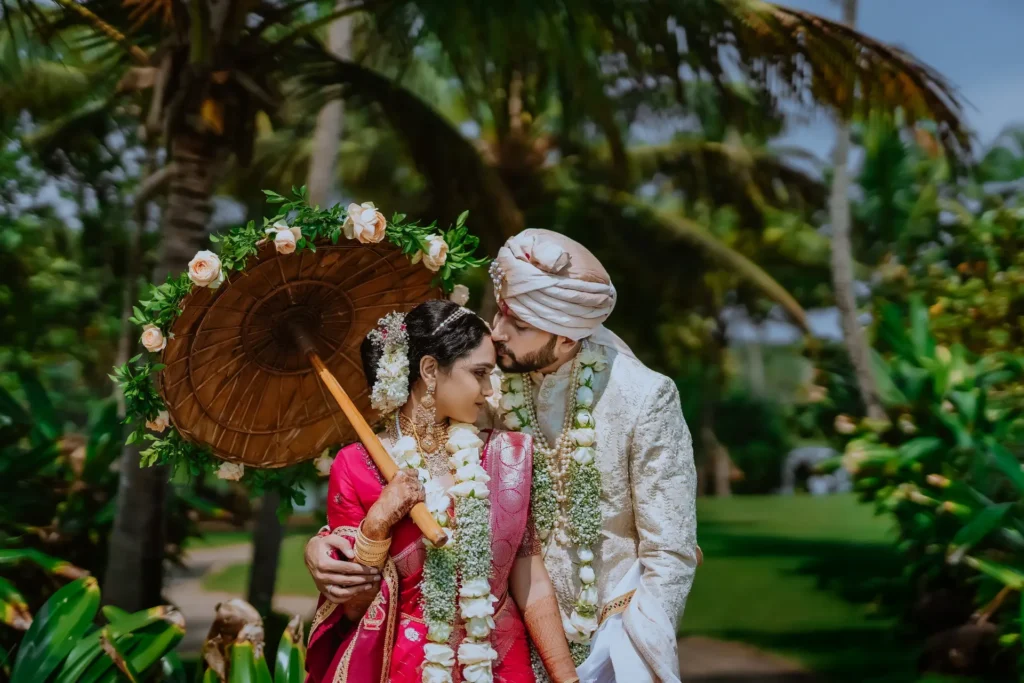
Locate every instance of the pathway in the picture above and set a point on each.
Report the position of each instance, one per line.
(702, 660)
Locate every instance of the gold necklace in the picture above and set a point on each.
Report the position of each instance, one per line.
(436, 458)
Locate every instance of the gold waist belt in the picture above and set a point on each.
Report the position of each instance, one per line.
(616, 606)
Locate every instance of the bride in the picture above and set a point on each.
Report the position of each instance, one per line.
(463, 611)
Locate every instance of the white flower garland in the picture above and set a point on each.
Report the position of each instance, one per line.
(583, 488)
(458, 573)
(391, 390)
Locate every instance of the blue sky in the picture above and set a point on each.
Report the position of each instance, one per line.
(976, 44)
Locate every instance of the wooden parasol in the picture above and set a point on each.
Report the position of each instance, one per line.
(266, 370)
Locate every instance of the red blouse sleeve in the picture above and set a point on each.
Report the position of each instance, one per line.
(344, 504)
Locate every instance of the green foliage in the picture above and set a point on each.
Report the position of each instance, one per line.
(755, 432)
(57, 500)
(65, 645)
(946, 464)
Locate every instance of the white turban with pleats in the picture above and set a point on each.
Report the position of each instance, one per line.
(557, 285)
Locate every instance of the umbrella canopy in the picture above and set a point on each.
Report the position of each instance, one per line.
(236, 378)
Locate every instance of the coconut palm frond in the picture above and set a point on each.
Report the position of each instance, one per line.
(457, 176)
(643, 217)
(834, 65)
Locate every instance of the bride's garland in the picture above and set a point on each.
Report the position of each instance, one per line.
(465, 561)
(580, 490)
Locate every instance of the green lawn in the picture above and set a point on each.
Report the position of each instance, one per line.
(794, 575)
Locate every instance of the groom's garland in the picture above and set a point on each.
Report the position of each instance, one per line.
(576, 482)
(465, 562)
(297, 227)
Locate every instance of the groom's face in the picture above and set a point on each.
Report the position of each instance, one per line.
(522, 347)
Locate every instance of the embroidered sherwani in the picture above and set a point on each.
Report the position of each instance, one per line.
(648, 488)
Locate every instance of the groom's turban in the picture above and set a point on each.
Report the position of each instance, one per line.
(557, 285)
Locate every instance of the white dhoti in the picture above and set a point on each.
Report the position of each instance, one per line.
(637, 645)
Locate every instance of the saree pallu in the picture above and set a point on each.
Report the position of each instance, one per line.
(386, 644)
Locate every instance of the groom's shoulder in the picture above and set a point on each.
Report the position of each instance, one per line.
(632, 376)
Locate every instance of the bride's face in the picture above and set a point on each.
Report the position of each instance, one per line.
(462, 389)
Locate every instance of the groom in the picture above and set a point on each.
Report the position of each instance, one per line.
(553, 297)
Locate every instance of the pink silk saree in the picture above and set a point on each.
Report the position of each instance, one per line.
(386, 645)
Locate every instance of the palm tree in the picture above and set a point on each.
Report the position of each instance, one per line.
(210, 68)
(842, 261)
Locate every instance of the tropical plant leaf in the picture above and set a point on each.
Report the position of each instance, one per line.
(983, 524)
(13, 608)
(57, 628)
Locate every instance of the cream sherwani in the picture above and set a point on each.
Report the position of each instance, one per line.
(649, 531)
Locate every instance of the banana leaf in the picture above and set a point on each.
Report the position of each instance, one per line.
(57, 628)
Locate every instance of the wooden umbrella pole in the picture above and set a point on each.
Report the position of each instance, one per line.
(419, 514)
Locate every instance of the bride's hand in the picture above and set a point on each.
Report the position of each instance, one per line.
(395, 502)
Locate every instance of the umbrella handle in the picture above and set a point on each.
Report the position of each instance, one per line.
(419, 514)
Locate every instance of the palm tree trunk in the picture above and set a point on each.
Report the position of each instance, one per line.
(266, 551)
(134, 574)
(842, 260)
(327, 134)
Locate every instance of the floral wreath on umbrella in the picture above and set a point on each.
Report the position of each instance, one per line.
(296, 227)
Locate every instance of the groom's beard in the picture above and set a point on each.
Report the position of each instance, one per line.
(541, 358)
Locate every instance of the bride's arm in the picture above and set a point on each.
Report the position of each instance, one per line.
(531, 588)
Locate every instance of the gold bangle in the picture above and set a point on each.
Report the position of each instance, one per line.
(370, 552)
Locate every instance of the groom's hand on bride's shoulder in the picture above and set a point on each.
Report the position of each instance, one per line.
(337, 580)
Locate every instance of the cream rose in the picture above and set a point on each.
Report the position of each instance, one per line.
(495, 398)
(464, 457)
(583, 456)
(404, 451)
(365, 223)
(464, 489)
(285, 237)
(585, 625)
(476, 608)
(585, 397)
(153, 339)
(437, 499)
(476, 653)
(160, 423)
(230, 471)
(433, 673)
(475, 588)
(513, 422)
(459, 295)
(587, 575)
(463, 436)
(584, 419)
(585, 555)
(472, 472)
(480, 627)
(435, 255)
(513, 400)
(515, 383)
(583, 436)
(439, 632)
(478, 673)
(436, 653)
(587, 376)
(204, 270)
(323, 464)
(588, 595)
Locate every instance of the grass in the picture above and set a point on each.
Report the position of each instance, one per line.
(799, 576)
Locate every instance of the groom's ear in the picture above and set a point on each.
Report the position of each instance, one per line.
(564, 345)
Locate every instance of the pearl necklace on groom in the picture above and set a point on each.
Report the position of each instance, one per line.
(566, 492)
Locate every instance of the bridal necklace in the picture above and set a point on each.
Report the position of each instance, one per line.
(456, 576)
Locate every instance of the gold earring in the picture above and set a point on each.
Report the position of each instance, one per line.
(426, 417)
